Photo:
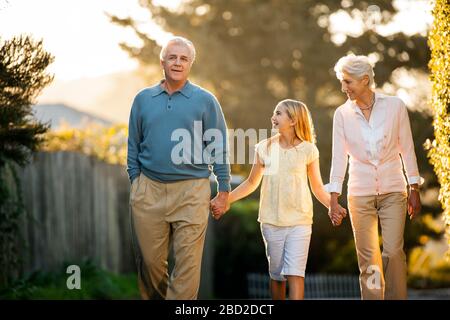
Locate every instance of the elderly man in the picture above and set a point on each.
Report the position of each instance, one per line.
(373, 130)
(169, 198)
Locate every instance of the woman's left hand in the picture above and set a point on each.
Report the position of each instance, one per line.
(414, 205)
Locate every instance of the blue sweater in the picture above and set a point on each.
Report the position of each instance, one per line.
(166, 137)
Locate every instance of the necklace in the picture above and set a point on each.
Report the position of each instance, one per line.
(371, 104)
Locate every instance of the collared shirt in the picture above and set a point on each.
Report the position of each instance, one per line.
(376, 149)
(372, 131)
(169, 137)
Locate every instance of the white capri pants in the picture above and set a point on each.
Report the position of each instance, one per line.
(286, 249)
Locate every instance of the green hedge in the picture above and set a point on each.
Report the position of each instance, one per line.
(439, 149)
(96, 284)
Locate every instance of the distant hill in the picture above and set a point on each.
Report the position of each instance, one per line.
(59, 114)
(109, 96)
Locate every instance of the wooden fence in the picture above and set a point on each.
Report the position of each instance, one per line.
(77, 208)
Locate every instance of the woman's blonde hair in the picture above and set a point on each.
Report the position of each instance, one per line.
(299, 113)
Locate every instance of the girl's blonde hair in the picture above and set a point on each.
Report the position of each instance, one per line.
(299, 113)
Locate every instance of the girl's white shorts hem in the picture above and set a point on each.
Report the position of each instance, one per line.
(286, 249)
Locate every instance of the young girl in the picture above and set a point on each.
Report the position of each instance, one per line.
(286, 160)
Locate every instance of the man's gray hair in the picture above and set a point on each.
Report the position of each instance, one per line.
(355, 66)
(178, 40)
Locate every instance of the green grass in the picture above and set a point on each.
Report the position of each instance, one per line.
(95, 284)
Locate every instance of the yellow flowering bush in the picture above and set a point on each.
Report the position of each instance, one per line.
(439, 148)
(105, 143)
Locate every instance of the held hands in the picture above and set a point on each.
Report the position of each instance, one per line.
(336, 213)
(219, 205)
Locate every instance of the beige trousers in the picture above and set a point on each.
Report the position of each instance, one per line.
(382, 275)
(164, 212)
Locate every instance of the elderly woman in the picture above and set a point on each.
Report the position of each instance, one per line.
(373, 131)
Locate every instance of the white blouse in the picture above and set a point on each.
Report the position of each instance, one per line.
(285, 196)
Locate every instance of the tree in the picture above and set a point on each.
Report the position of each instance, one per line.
(253, 53)
(22, 76)
(439, 149)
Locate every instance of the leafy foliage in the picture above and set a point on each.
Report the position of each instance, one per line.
(105, 143)
(96, 284)
(439, 149)
(22, 76)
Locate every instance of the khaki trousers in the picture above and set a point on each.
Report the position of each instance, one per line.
(382, 275)
(164, 212)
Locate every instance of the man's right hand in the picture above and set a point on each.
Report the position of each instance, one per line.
(220, 205)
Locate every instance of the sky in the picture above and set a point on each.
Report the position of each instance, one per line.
(85, 44)
(78, 32)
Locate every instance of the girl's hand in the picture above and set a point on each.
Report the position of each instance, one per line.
(341, 214)
(336, 213)
(217, 211)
